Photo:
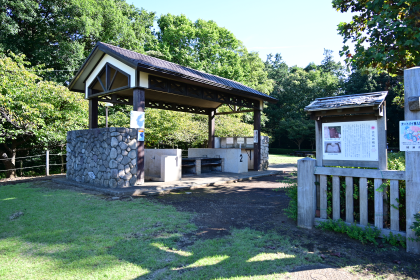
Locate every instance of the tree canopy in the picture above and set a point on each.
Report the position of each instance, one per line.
(34, 112)
(385, 33)
(295, 88)
(205, 46)
(60, 33)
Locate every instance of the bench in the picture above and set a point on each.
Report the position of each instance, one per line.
(195, 165)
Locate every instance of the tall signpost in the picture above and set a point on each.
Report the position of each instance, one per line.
(412, 154)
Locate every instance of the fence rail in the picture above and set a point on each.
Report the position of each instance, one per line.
(46, 165)
(309, 199)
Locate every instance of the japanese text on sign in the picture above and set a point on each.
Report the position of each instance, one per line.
(350, 141)
(410, 135)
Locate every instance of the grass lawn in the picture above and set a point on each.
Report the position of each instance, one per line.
(65, 234)
(276, 159)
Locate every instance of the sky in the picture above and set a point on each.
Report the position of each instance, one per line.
(298, 30)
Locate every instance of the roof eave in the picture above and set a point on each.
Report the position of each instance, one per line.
(82, 68)
(157, 71)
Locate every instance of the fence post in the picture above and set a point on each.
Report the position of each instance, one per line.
(47, 164)
(306, 193)
(412, 159)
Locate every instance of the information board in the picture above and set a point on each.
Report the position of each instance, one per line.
(229, 140)
(410, 135)
(240, 140)
(137, 119)
(350, 141)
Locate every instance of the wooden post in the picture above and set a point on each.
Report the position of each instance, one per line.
(211, 128)
(318, 141)
(139, 105)
(336, 198)
(93, 113)
(379, 204)
(306, 193)
(363, 199)
(382, 132)
(47, 163)
(257, 146)
(412, 159)
(349, 200)
(323, 205)
(395, 213)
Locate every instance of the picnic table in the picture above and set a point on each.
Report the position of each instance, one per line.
(303, 153)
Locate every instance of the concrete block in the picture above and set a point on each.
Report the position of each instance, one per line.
(171, 168)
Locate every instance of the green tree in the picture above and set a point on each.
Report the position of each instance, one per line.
(205, 46)
(295, 88)
(61, 33)
(385, 33)
(33, 112)
(371, 80)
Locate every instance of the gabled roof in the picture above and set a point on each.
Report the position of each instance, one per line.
(374, 99)
(156, 65)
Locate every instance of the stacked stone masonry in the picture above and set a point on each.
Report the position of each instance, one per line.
(264, 152)
(105, 157)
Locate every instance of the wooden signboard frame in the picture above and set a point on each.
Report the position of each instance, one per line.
(352, 115)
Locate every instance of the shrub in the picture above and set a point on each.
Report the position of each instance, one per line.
(291, 191)
(416, 225)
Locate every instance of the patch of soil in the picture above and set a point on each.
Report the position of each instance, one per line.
(20, 180)
(254, 204)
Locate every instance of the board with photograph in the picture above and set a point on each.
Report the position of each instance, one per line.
(350, 141)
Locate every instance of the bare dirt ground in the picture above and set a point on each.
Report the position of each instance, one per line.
(254, 204)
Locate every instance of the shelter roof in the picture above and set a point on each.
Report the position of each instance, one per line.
(371, 99)
(159, 66)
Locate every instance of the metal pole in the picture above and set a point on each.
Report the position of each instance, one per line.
(47, 165)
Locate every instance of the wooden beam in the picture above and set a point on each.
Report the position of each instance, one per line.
(234, 112)
(139, 105)
(210, 85)
(349, 111)
(211, 128)
(257, 146)
(366, 173)
(186, 89)
(93, 113)
(357, 118)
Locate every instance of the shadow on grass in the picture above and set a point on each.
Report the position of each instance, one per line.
(65, 234)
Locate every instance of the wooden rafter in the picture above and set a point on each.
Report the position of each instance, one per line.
(109, 81)
(117, 99)
(171, 86)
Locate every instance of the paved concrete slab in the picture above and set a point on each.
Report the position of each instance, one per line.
(186, 183)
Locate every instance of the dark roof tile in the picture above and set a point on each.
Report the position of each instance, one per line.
(347, 101)
(137, 59)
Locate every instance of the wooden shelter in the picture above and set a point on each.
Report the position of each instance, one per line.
(116, 75)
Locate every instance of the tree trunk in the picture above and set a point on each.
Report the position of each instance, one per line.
(298, 142)
(10, 163)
